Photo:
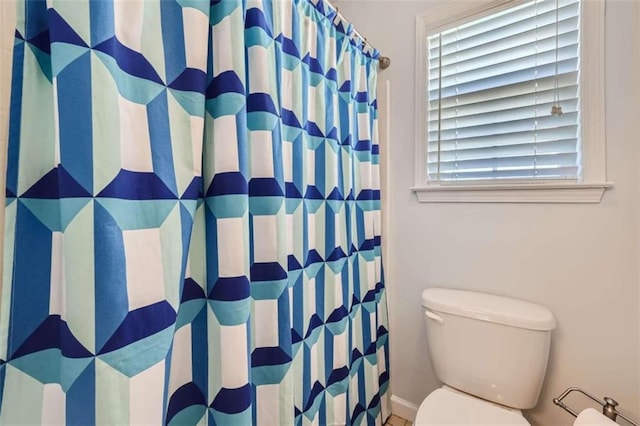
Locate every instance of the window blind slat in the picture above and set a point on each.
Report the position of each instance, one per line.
(537, 160)
(499, 79)
(567, 95)
(499, 116)
(527, 173)
(544, 135)
(565, 146)
(540, 123)
(527, 87)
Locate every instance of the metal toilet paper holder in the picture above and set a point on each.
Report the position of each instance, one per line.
(608, 405)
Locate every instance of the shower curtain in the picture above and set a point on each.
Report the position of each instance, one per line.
(192, 217)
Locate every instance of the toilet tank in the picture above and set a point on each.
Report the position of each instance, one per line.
(489, 346)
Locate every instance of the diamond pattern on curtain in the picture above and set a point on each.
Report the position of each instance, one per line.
(193, 217)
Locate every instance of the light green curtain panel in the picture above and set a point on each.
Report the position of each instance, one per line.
(193, 217)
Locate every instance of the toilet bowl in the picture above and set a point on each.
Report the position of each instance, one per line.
(491, 354)
(448, 406)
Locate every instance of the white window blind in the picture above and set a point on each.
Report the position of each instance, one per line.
(492, 83)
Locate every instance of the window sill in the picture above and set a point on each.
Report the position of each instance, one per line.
(569, 193)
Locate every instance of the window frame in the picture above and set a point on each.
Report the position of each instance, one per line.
(590, 187)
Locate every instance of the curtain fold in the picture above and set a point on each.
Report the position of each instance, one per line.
(193, 217)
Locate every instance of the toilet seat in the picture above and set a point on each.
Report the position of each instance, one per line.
(446, 406)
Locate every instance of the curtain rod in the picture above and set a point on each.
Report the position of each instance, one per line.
(383, 61)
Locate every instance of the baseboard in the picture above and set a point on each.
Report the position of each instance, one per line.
(403, 408)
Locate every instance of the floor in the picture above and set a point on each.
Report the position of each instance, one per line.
(398, 421)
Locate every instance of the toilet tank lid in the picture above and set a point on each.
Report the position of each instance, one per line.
(490, 308)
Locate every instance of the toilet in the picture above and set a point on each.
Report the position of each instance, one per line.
(491, 354)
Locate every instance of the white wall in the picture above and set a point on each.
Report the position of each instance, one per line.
(581, 261)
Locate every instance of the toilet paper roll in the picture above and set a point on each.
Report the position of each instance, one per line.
(591, 417)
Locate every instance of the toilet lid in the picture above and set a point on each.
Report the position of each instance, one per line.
(449, 407)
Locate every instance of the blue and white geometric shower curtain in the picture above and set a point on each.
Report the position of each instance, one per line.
(193, 217)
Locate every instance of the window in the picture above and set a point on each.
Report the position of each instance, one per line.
(504, 95)
(492, 84)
